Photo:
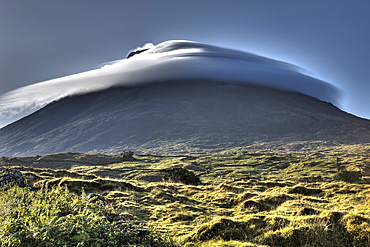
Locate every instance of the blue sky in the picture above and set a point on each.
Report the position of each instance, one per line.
(46, 39)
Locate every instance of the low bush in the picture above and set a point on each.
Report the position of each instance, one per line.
(55, 217)
(10, 175)
(348, 176)
(180, 175)
(127, 155)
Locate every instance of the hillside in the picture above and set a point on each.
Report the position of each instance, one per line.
(245, 199)
(185, 117)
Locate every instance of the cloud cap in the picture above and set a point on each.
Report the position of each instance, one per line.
(170, 60)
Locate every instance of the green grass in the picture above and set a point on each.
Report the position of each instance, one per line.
(255, 199)
(56, 217)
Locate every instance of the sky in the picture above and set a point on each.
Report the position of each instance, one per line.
(42, 40)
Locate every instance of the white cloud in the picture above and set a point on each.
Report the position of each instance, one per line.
(169, 60)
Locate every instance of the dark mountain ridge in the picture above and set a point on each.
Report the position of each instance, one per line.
(184, 117)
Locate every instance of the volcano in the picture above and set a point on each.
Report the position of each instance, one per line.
(177, 97)
(168, 61)
(180, 117)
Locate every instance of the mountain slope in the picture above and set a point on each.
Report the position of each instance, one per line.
(182, 117)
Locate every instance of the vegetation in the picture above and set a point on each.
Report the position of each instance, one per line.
(349, 176)
(180, 175)
(241, 199)
(56, 217)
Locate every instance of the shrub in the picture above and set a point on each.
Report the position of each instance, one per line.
(9, 175)
(55, 217)
(127, 155)
(180, 175)
(348, 176)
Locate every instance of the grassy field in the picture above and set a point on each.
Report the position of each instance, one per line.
(315, 197)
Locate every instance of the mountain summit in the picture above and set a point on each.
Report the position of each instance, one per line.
(180, 117)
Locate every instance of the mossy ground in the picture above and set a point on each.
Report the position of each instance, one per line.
(245, 199)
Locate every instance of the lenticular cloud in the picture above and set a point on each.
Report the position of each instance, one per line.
(170, 60)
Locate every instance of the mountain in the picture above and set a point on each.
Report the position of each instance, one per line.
(186, 116)
(168, 61)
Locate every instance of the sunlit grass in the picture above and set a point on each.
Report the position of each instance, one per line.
(277, 199)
